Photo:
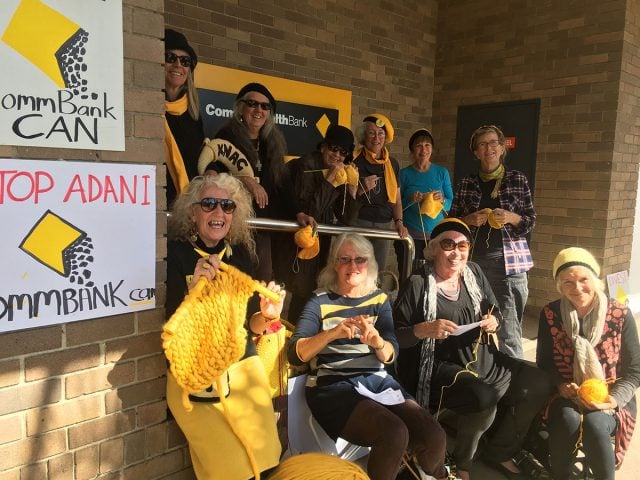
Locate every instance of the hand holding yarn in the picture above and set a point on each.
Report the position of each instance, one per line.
(594, 395)
(477, 219)
(270, 309)
(205, 267)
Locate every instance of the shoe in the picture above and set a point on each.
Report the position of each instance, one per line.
(497, 466)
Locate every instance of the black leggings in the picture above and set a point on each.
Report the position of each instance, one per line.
(391, 431)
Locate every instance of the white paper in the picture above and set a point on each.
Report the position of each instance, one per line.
(386, 397)
(465, 328)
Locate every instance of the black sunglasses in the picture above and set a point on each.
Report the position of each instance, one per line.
(253, 104)
(337, 149)
(449, 245)
(185, 60)
(209, 204)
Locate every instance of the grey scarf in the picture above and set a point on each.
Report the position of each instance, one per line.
(430, 304)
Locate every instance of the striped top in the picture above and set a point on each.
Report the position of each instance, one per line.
(345, 357)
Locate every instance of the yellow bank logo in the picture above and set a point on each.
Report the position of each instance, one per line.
(51, 42)
(62, 247)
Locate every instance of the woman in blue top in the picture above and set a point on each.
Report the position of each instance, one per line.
(346, 332)
(416, 182)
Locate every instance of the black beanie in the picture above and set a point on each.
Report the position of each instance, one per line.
(257, 87)
(177, 41)
(339, 136)
(422, 132)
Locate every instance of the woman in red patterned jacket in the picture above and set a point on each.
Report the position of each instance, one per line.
(580, 336)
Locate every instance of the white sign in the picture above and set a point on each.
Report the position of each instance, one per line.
(618, 284)
(63, 81)
(78, 241)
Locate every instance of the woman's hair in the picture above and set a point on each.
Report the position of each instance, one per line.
(484, 129)
(192, 97)
(270, 135)
(328, 278)
(361, 132)
(597, 283)
(429, 251)
(181, 224)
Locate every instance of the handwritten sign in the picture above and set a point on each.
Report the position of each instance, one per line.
(65, 88)
(618, 284)
(78, 241)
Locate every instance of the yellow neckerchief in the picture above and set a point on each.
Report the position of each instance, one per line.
(175, 162)
(497, 175)
(389, 174)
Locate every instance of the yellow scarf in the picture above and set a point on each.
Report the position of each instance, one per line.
(497, 175)
(389, 174)
(175, 163)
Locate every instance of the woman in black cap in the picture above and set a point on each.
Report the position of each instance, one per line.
(585, 336)
(444, 319)
(184, 134)
(251, 147)
(317, 198)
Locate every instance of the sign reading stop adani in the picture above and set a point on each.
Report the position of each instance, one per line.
(63, 82)
(78, 241)
(304, 110)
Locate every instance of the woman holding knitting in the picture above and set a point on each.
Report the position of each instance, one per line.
(445, 317)
(497, 204)
(208, 226)
(183, 124)
(585, 341)
(346, 333)
(250, 146)
(378, 195)
(426, 193)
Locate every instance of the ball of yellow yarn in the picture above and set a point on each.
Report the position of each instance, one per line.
(314, 466)
(304, 237)
(593, 390)
(493, 223)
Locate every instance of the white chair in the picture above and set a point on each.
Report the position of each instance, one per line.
(306, 435)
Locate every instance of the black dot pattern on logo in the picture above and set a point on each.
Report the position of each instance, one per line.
(80, 259)
(70, 58)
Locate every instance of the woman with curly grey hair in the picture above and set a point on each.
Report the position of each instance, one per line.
(251, 147)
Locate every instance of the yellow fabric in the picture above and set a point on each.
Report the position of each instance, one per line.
(175, 162)
(206, 334)
(593, 390)
(315, 466)
(307, 239)
(273, 354)
(575, 256)
(493, 223)
(389, 175)
(430, 206)
(383, 122)
(497, 175)
(216, 452)
(352, 175)
(348, 175)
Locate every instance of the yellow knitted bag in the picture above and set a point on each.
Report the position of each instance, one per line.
(271, 348)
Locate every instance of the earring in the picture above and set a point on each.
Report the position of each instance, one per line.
(193, 234)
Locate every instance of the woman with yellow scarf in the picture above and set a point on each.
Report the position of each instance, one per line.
(378, 195)
(184, 134)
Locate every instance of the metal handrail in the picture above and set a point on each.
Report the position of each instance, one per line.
(272, 224)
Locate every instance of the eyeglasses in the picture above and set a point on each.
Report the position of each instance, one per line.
(374, 133)
(209, 204)
(490, 143)
(254, 104)
(337, 149)
(449, 245)
(347, 260)
(185, 60)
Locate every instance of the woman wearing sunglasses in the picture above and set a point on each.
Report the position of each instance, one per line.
(346, 333)
(444, 317)
(183, 125)
(250, 138)
(210, 216)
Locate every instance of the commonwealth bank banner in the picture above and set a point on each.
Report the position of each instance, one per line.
(78, 241)
(62, 82)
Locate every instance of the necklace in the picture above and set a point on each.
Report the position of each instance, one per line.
(453, 282)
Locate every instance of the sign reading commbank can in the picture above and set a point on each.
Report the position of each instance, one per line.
(304, 111)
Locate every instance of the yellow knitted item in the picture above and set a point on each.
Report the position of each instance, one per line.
(307, 239)
(593, 390)
(352, 175)
(314, 466)
(430, 206)
(271, 348)
(493, 223)
(206, 334)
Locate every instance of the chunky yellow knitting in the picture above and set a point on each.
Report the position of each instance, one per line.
(206, 334)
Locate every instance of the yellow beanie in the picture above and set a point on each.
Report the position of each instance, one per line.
(572, 256)
(313, 466)
(383, 122)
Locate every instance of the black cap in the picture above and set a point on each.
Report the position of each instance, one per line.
(421, 132)
(451, 224)
(339, 136)
(257, 87)
(177, 41)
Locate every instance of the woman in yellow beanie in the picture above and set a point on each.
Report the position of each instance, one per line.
(585, 335)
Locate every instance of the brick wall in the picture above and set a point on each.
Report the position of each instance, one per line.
(86, 399)
(569, 55)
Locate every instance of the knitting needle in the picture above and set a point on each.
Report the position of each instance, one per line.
(257, 286)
